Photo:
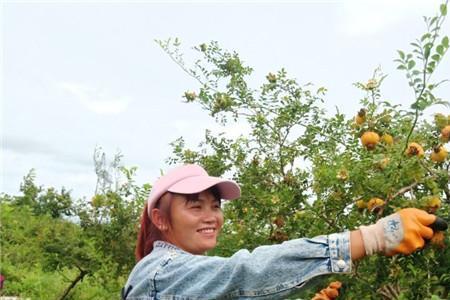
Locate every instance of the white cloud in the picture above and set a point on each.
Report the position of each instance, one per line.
(368, 17)
(96, 100)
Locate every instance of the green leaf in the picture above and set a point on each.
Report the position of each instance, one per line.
(425, 36)
(401, 53)
(440, 49)
(411, 64)
(436, 57)
(445, 42)
(443, 9)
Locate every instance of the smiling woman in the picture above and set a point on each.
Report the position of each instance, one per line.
(182, 219)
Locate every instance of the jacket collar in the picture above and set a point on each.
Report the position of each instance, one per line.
(168, 246)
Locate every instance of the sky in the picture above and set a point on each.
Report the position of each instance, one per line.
(77, 75)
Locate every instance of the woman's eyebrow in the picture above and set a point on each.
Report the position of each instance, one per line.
(203, 199)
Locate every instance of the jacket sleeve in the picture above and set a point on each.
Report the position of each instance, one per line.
(267, 270)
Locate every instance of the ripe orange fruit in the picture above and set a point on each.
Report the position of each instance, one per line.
(387, 139)
(370, 139)
(445, 134)
(414, 149)
(361, 116)
(332, 293)
(335, 285)
(374, 203)
(439, 154)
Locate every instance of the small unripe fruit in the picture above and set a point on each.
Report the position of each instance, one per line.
(361, 204)
(445, 134)
(414, 149)
(387, 139)
(272, 78)
(434, 202)
(370, 139)
(383, 163)
(360, 117)
(440, 120)
(371, 84)
(190, 96)
(342, 175)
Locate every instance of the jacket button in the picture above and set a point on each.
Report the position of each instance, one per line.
(341, 264)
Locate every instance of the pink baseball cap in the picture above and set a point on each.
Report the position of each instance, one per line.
(191, 179)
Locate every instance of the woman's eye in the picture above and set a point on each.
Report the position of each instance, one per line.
(196, 206)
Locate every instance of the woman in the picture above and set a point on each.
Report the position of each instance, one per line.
(182, 219)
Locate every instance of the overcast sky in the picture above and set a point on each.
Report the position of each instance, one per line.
(77, 75)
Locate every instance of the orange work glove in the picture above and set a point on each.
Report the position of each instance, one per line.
(403, 232)
(329, 293)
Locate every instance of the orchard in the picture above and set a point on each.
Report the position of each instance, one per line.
(305, 174)
(302, 171)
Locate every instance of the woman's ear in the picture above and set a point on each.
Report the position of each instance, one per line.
(158, 220)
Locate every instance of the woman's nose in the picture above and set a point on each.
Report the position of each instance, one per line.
(210, 215)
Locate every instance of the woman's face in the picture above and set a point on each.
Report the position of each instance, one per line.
(195, 225)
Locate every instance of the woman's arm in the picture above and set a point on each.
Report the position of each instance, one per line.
(357, 245)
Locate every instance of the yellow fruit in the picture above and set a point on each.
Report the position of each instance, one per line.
(445, 134)
(434, 202)
(387, 139)
(361, 116)
(370, 139)
(374, 203)
(439, 154)
(414, 149)
(361, 204)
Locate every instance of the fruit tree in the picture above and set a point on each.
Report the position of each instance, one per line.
(304, 173)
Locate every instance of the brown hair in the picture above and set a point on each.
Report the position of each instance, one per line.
(149, 232)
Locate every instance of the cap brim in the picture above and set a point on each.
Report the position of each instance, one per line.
(229, 190)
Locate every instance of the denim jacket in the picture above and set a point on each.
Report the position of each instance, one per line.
(268, 272)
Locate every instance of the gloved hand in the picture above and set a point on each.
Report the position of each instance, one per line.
(329, 293)
(403, 232)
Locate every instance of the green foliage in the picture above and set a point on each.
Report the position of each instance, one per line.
(41, 201)
(57, 248)
(297, 166)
